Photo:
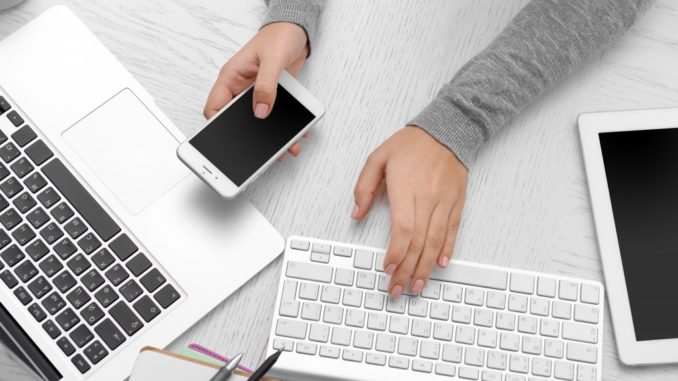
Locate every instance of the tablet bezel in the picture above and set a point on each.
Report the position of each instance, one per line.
(631, 351)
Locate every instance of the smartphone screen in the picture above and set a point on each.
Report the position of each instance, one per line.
(238, 144)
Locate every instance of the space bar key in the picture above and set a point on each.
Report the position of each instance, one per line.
(81, 199)
(472, 276)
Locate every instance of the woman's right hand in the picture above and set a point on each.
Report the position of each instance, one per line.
(276, 47)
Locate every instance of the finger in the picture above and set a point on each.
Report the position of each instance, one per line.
(295, 149)
(227, 85)
(281, 158)
(401, 276)
(435, 238)
(402, 227)
(368, 182)
(266, 85)
(423, 209)
(452, 229)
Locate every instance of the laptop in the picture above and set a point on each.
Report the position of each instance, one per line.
(107, 242)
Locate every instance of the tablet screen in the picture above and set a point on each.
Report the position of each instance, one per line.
(642, 176)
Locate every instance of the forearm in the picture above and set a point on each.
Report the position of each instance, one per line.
(304, 13)
(545, 42)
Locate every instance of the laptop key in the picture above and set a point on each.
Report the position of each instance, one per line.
(62, 213)
(81, 336)
(92, 280)
(131, 290)
(106, 296)
(34, 182)
(21, 167)
(4, 105)
(23, 234)
(52, 330)
(3, 203)
(166, 296)
(80, 363)
(15, 118)
(24, 135)
(138, 264)
(4, 172)
(95, 352)
(37, 217)
(9, 279)
(117, 274)
(38, 152)
(75, 227)
(102, 259)
(66, 346)
(25, 272)
(67, 319)
(81, 199)
(4, 241)
(23, 295)
(53, 303)
(51, 265)
(10, 219)
(38, 314)
(152, 280)
(24, 202)
(125, 318)
(79, 264)
(110, 334)
(51, 233)
(9, 152)
(11, 187)
(92, 313)
(40, 287)
(49, 197)
(78, 297)
(64, 281)
(123, 247)
(146, 308)
(88, 243)
(12, 255)
(65, 248)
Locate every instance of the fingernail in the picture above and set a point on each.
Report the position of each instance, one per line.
(261, 110)
(444, 262)
(417, 286)
(396, 292)
(354, 213)
(390, 269)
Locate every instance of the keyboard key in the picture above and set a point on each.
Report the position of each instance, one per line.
(125, 318)
(62, 213)
(131, 290)
(152, 280)
(582, 353)
(52, 330)
(80, 363)
(4, 241)
(363, 259)
(375, 358)
(49, 197)
(123, 247)
(407, 346)
(67, 319)
(15, 118)
(474, 356)
(23, 295)
(325, 350)
(78, 297)
(106, 296)
(51, 233)
(37, 217)
(64, 281)
(81, 199)
(24, 135)
(352, 355)
(294, 329)
(92, 313)
(10, 219)
(89, 243)
(472, 276)
(53, 303)
(23, 234)
(25, 272)
(385, 343)
(299, 245)
(110, 334)
(37, 312)
(468, 373)
(66, 346)
(4, 105)
(166, 296)
(342, 251)
(24, 202)
(398, 362)
(75, 228)
(92, 280)
(587, 314)
(79, 264)
(580, 332)
(321, 248)
(309, 271)
(146, 308)
(38, 152)
(117, 274)
(445, 369)
(546, 287)
(138, 264)
(21, 167)
(81, 335)
(4, 172)
(95, 352)
(12, 255)
(65, 248)
(522, 283)
(590, 293)
(9, 152)
(307, 348)
(319, 333)
(9, 279)
(103, 258)
(568, 290)
(34, 182)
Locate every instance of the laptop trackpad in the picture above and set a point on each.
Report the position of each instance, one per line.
(128, 148)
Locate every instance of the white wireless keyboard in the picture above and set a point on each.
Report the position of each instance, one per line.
(335, 321)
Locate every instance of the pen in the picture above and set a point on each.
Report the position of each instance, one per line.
(225, 372)
(265, 366)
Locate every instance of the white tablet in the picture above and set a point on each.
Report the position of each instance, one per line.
(631, 160)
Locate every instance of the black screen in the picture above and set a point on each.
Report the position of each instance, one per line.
(642, 176)
(238, 144)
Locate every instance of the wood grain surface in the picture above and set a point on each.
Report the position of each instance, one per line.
(375, 64)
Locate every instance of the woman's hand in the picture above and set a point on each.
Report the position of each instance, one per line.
(276, 47)
(426, 186)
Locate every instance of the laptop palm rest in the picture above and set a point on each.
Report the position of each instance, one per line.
(129, 149)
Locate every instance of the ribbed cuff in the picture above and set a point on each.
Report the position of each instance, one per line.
(304, 13)
(452, 128)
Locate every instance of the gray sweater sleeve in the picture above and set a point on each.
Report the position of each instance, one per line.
(304, 13)
(544, 43)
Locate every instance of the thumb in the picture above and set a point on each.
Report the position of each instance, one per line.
(368, 182)
(266, 86)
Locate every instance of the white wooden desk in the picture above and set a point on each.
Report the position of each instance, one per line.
(375, 64)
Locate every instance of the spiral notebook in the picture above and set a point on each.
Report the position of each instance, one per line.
(156, 364)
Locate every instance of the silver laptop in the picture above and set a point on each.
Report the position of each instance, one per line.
(107, 242)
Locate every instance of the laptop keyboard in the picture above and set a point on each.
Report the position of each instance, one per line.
(78, 273)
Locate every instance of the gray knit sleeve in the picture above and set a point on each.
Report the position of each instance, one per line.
(304, 13)
(544, 43)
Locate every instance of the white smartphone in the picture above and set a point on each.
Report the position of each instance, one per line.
(234, 147)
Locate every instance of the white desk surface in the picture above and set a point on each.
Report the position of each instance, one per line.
(375, 64)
